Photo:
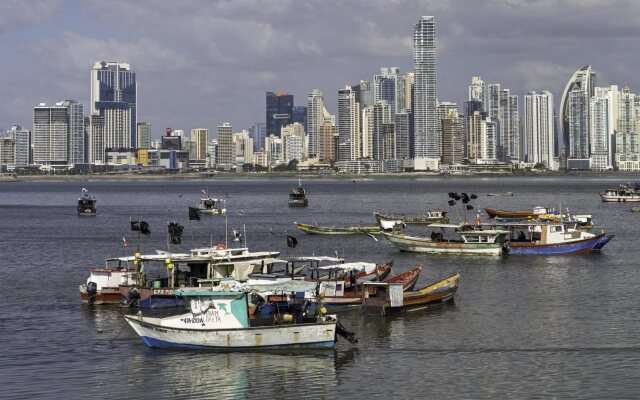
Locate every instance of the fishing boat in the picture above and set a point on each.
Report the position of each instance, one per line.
(87, 204)
(625, 193)
(493, 213)
(210, 206)
(389, 298)
(430, 217)
(545, 238)
(221, 320)
(201, 266)
(298, 196)
(334, 230)
(103, 284)
(467, 240)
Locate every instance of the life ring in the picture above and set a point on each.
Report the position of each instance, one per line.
(220, 246)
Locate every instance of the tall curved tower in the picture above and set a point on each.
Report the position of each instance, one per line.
(574, 112)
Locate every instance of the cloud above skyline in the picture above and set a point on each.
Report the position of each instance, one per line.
(202, 63)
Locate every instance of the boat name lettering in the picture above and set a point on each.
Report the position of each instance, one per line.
(162, 292)
(210, 316)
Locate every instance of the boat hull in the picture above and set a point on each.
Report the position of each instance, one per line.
(634, 198)
(581, 246)
(412, 219)
(277, 336)
(151, 298)
(493, 213)
(103, 296)
(324, 230)
(298, 203)
(418, 244)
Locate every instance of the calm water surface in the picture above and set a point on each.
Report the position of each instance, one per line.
(521, 327)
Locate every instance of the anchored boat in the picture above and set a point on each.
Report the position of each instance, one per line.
(211, 206)
(389, 298)
(221, 320)
(625, 193)
(430, 217)
(333, 230)
(298, 196)
(536, 212)
(468, 240)
(87, 204)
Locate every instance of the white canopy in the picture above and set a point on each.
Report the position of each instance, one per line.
(352, 266)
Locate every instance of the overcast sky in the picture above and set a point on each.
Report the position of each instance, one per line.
(201, 63)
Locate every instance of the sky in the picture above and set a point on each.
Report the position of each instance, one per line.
(200, 63)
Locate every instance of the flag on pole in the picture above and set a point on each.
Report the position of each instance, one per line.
(125, 242)
(194, 213)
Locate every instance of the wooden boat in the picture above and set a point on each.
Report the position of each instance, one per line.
(390, 299)
(430, 217)
(469, 241)
(298, 196)
(408, 278)
(86, 204)
(625, 193)
(220, 320)
(211, 206)
(540, 238)
(332, 230)
(103, 284)
(493, 213)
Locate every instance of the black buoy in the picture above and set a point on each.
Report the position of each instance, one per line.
(92, 292)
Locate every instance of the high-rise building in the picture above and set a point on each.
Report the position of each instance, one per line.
(386, 87)
(364, 93)
(293, 142)
(225, 156)
(257, 132)
(366, 125)
(349, 146)
(58, 133)
(114, 97)
(299, 115)
(22, 145)
(95, 134)
(627, 145)
(452, 137)
(502, 109)
(381, 116)
(315, 119)
(279, 111)
(612, 96)
(143, 138)
(243, 145)
(200, 140)
(574, 116)
(488, 141)
(404, 133)
(478, 91)
(442, 111)
(481, 140)
(539, 129)
(327, 142)
(599, 131)
(427, 142)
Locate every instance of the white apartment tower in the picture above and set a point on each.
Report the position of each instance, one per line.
(426, 140)
(538, 128)
(349, 143)
(315, 119)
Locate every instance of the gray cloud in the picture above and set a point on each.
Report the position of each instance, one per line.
(201, 63)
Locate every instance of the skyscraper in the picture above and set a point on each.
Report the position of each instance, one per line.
(349, 146)
(58, 133)
(478, 91)
(257, 132)
(539, 129)
(627, 144)
(225, 156)
(427, 142)
(381, 116)
(452, 138)
(404, 133)
(386, 87)
(279, 111)
(143, 138)
(315, 119)
(574, 115)
(200, 139)
(22, 145)
(599, 130)
(114, 97)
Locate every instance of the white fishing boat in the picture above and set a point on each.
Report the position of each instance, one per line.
(221, 320)
(625, 193)
(211, 206)
(103, 284)
(464, 240)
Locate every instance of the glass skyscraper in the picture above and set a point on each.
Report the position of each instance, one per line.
(427, 142)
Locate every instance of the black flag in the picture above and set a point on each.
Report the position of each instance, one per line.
(452, 203)
(194, 213)
(469, 207)
(141, 226)
(291, 241)
(175, 232)
(473, 196)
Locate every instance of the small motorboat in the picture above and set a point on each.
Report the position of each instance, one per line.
(87, 204)
(493, 213)
(298, 196)
(625, 193)
(333, 230)
(210, 206)
(430, 217)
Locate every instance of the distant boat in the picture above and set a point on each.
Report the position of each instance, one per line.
(430, 217)
(211, 206)
(333, 230)
(469, 241)
(625, 193)
(390, 298)
(86, 204)
(493, 213)
(298, 196)
(635, 209)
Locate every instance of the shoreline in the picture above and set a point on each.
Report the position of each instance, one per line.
(355, 177)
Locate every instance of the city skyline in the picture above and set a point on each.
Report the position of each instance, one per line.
(180, 89)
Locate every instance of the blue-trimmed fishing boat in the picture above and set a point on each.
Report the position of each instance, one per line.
(221, 320)
(553, 238)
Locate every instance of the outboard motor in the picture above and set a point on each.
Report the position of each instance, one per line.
(92, 292)
(132, 297)
(342, 331)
